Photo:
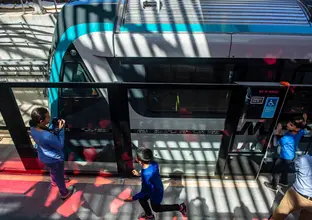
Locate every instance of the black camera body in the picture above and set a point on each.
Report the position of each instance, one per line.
(55, 126)
(55, 122)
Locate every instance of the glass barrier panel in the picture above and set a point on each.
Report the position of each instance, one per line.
(88, 133)
(183, 128)
(251, 135)
(2, 122)
(28, 99)
(10, 160)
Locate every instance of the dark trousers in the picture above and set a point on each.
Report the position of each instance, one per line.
(57, 176)
(280, 171)
(157, 207)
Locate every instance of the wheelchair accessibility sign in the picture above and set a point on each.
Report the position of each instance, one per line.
(270, 107)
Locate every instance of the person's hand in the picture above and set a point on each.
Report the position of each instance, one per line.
(129, 199)
(279, 128)
(136, 173)
(305, 117)
(61, 123)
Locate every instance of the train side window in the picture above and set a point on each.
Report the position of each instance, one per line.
(75, 72)
(188, 101)
(259, 71)
(213, 102)
(303, 76)
(299, 102)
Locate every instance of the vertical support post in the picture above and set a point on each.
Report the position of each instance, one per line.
(55, 5)
(22, 3)
(15, 124)
(233, 114)
(119, 113)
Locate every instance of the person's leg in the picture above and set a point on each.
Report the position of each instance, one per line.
(169, 208)
(276, 173)
(305, 215)
(66, 178)
(55, 174)
(286, 206)
(285, 169)
(146, 207)
(165, 208)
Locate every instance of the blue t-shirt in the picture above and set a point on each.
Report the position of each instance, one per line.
(152, 186)
(49, 146)
(289, 144)
(298, 137)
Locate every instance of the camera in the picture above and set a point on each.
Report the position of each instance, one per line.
(55, 122)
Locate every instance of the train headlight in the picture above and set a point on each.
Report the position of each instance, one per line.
(73, 53)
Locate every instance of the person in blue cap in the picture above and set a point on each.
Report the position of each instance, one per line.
(152, 187)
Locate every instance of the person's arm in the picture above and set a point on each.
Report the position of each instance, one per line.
(279, 131)
(305, 119)
(145, 186)
(54, 141)
(306, 128)
(61, 136)
(298, 164)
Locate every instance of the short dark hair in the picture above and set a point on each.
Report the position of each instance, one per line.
(37, 115)
(145, 155)
(294, 120)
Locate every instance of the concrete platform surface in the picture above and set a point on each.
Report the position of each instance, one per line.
(32, 197)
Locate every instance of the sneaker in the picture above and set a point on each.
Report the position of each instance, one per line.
(283, 185)
(270, 186)
(144, 216)
(183, 209)
(71, 190)
(67, 180)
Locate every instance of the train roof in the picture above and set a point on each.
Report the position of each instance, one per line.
(277, 17)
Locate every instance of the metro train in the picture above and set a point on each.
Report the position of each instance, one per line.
(201, 41)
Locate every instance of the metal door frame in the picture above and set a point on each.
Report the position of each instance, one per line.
(234, 117)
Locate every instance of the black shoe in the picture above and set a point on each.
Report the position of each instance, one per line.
(71, 190)
(270, 186)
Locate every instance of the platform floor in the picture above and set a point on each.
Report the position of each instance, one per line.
(32, 197)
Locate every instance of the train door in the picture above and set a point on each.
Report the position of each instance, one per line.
(89, 140)
(253, 131)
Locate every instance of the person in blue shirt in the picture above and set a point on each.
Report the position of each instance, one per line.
(299, 196)
(50, 144)
(288, 144)
(152, 187)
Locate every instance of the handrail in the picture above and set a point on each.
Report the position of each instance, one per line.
(199, 86)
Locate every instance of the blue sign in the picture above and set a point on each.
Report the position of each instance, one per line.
(270, 107)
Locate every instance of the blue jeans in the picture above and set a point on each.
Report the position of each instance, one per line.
(57, 176)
